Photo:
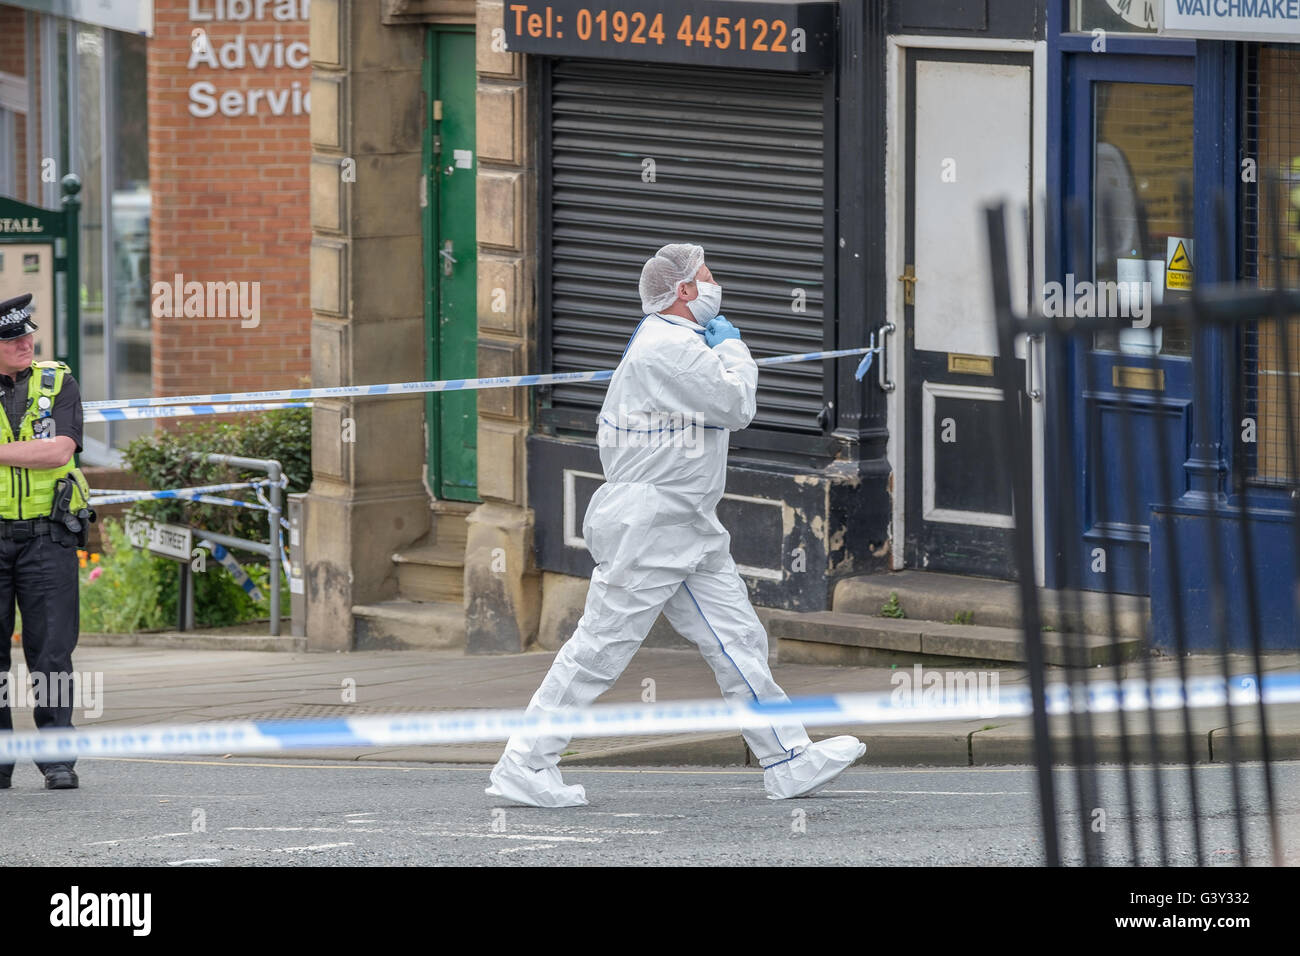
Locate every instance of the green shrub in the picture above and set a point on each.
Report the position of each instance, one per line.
(142, 589)
(136, 590)
(261, 575)
(162, 461)
(218, 598)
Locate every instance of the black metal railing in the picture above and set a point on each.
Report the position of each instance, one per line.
(1164, 780)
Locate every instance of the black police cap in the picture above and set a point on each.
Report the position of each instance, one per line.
(16, 317)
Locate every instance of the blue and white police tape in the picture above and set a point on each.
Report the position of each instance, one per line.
(400, 388)
(612, 720)
(201, 499)
(95, 415)
(236, 569)
(199, 496)
(107, 496)
(229, 502)
(264, 502)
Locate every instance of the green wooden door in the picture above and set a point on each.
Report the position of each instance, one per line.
(451, 261)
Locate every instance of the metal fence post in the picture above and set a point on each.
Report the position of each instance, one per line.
(272, 551)
(1212, 585)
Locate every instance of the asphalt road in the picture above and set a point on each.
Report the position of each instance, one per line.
(213, 812)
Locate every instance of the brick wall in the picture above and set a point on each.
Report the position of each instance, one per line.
(13, 24)
(13, 59)
(230, 200)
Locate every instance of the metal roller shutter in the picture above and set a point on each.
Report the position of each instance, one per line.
(738, 168)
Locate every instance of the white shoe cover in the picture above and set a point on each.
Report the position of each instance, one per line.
(816, 766)
(534, 788)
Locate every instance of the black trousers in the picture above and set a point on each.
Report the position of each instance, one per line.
(42, 574)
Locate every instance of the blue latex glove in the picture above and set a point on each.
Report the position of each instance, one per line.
(718, 329)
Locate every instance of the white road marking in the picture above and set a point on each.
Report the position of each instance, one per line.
(301, 830)
(189, 862)
(509, 836)
(307, 849)
(156, 836)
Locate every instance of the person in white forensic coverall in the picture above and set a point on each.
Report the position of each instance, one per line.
(684, 383)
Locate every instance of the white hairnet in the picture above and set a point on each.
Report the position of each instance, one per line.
(674, 263)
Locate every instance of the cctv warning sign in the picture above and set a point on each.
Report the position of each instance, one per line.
(1178, 264)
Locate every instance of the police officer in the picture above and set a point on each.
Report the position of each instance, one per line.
(40, 430)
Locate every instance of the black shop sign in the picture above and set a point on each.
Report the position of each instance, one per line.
(788, 36)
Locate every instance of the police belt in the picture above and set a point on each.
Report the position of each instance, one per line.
(23, 529)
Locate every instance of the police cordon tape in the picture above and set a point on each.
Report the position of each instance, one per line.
(202, 495)
(223, 400)
(104, 496)
(199, 496)
(612, 720)
(96, 416)
(205, 500)
(233, 568)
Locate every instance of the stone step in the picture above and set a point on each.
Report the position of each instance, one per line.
(449, 526)
(432, 572)
(834, 637)
(931, 596)
(408, 625)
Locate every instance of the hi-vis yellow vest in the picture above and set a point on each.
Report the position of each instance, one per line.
(29, 492)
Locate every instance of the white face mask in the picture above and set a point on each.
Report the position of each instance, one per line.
(707, 304)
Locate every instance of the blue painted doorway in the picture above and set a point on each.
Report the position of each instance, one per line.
(1130, 153)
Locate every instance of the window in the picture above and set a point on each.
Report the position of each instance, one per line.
(94, 123)
(15, 103)
(1142, 162)
(1271, 138)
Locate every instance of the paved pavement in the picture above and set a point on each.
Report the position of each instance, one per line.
(148, 685)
